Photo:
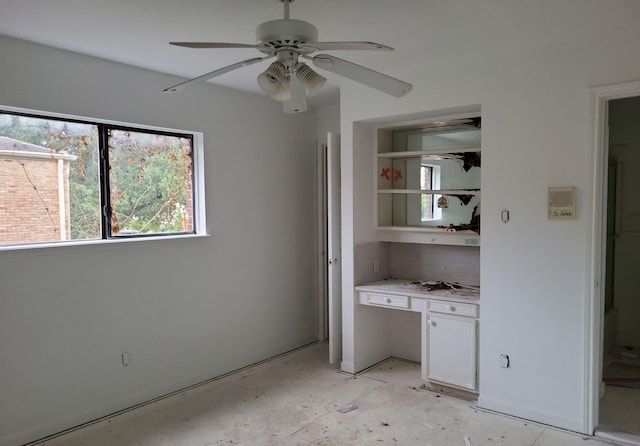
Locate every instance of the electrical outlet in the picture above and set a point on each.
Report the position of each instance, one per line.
(504, 361)
(376, 265)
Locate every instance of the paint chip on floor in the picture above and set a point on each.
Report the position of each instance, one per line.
(348, 408)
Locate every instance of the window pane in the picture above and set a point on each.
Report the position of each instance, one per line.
(426, 201)
(49, 180)
(150, 179)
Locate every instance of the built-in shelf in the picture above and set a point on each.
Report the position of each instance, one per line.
(431, 192)
(427, 235)
(428, 175)
(429, 154)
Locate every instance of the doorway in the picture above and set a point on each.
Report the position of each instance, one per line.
(329, 245)
(617, 410)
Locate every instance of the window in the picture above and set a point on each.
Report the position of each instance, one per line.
(426, 201)
(68, 179)
(429, 180)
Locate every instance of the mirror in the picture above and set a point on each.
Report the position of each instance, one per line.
(449, 172)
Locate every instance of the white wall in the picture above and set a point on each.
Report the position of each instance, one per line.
(328, 120)
(535, 108)
(186, 310)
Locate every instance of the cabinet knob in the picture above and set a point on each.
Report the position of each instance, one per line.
(387, 300)
(451, 308)
(430, 322)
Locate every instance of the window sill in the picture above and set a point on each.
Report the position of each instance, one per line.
(97, 242)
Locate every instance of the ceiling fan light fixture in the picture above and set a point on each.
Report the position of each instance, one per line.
(311, 80)
(273, 78)
(283, 94)
(298, 97)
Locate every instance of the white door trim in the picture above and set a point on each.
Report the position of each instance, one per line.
(334, 247)
(594, 317)
(321, 259)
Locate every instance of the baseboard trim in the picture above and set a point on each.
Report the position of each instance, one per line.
(525, 413)
(622, 438)
(43, 432)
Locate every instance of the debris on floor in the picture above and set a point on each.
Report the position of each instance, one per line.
(348, 408)
(622, 374)
(622, 369)
(627, 352)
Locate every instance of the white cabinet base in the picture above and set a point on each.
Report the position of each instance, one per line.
(451, 347)
(449, 332)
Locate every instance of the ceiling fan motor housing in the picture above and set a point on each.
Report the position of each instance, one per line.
(275, 34)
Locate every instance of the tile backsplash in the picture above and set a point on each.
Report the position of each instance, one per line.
(414, 261)
(435, 262)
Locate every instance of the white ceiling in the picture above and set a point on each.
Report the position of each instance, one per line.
(137, 32)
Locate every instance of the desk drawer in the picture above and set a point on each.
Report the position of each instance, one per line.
(387, 300)
(469, 310)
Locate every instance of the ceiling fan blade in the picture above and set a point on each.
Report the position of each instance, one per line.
(201, 45)
(215, 73)
(329, 46)
(374, 79)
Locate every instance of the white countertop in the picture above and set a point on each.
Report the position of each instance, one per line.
(408, 288)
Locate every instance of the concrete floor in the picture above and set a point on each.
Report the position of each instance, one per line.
(620, 415)
(295, 400)
(620, 407)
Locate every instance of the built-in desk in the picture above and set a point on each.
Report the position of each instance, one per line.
(449, 327)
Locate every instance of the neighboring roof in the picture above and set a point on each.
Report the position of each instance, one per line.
(20, 149)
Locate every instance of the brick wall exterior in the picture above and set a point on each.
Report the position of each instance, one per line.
(29, 205)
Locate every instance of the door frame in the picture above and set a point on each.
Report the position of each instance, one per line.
(334, 246)
(594, 320)
(328, 271)
(321, 237)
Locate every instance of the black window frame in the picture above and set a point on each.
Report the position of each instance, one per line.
(103, 128)
(431, 170)
(105, 189)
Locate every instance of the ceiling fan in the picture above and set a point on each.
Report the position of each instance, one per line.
(288, 79)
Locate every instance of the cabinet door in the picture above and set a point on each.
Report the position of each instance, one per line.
(451, 354)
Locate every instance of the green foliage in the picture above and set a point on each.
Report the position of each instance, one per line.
(149, 174)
